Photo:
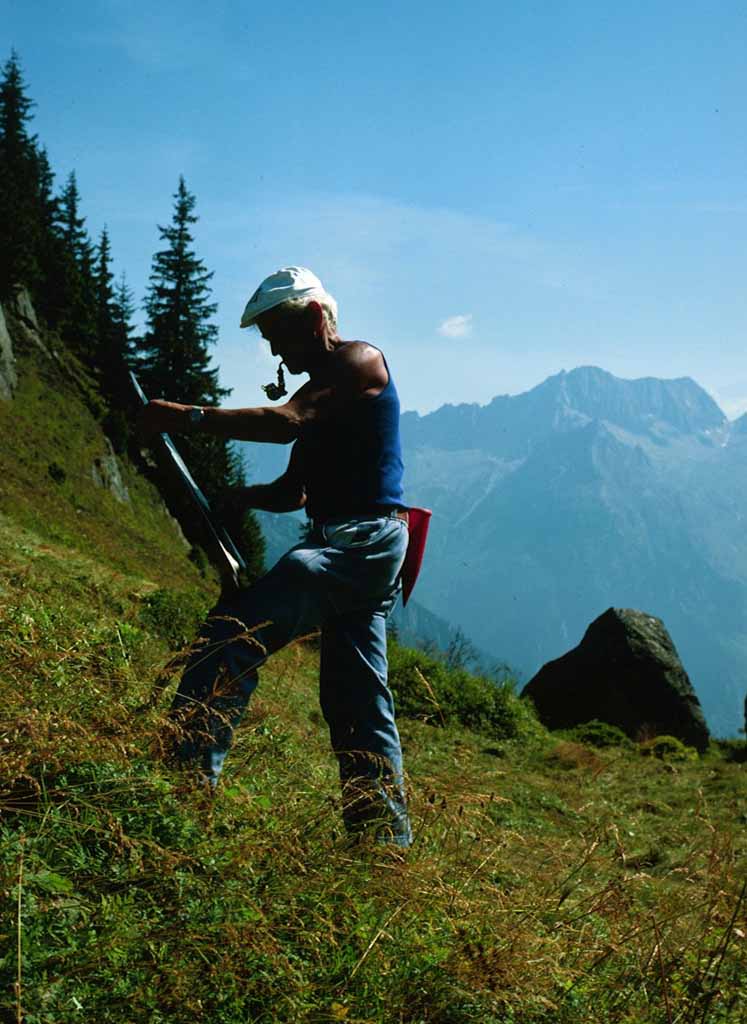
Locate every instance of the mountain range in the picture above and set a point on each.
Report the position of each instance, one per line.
(586, 492)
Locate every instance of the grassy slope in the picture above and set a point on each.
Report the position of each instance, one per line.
(49, 424)
(549, 882)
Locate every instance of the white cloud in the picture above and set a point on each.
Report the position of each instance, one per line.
(459, 326)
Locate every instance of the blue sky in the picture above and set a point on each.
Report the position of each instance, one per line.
(493, 191)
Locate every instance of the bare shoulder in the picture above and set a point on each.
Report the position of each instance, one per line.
(363, 366)
(354, 371)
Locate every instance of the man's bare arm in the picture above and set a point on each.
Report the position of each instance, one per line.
(286, 494)
(271, 425)
(357, 371)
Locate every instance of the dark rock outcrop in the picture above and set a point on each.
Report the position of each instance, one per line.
(8, 376)
(24, 309)
(106, 474)
(627, 672)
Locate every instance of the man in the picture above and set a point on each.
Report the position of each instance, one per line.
(345, 469)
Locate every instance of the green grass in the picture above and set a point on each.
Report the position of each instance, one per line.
(550, 880)
(50, 441)
(554, 879)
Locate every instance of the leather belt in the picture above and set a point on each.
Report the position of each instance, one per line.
(387, 511)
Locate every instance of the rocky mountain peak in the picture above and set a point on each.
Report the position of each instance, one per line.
(639, 404)
(511, 425)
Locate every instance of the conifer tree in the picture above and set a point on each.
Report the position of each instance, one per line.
(123, 309)
(71, 296)
(15, 109)
(51, 255)
(47, 201)
(116, 355)
(19, 184)
(175, 357)
(102, 279)
(70, 224)
(175, 363)
(174, 360)
(109, 363)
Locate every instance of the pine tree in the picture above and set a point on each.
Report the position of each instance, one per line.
(50, 258)
(71, 299)
(102, 280)
(71, 225)
(20, 226)
(15, 109)
(47, 201)
(175, 364)
(123, 309)
(116, 352)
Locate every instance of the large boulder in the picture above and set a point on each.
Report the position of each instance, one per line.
(625, 671)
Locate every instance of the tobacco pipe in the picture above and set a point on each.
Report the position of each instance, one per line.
(276, 391)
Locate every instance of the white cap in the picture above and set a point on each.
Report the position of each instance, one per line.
(286, 283)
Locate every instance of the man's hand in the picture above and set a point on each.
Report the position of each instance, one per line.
(161, 417)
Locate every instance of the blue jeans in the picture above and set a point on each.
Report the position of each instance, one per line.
(345, 578)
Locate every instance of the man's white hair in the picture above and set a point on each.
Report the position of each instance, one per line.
(325, 300)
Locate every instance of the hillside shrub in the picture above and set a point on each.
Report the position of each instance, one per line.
(732, 750)
(668, 748)
(599, 734)
(426, 688)
(570, 756)
(174, 615)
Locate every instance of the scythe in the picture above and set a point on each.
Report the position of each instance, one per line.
(223, 553)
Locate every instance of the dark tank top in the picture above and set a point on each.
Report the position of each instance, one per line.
(354, 464)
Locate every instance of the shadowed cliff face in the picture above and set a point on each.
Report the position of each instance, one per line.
(586, 492)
